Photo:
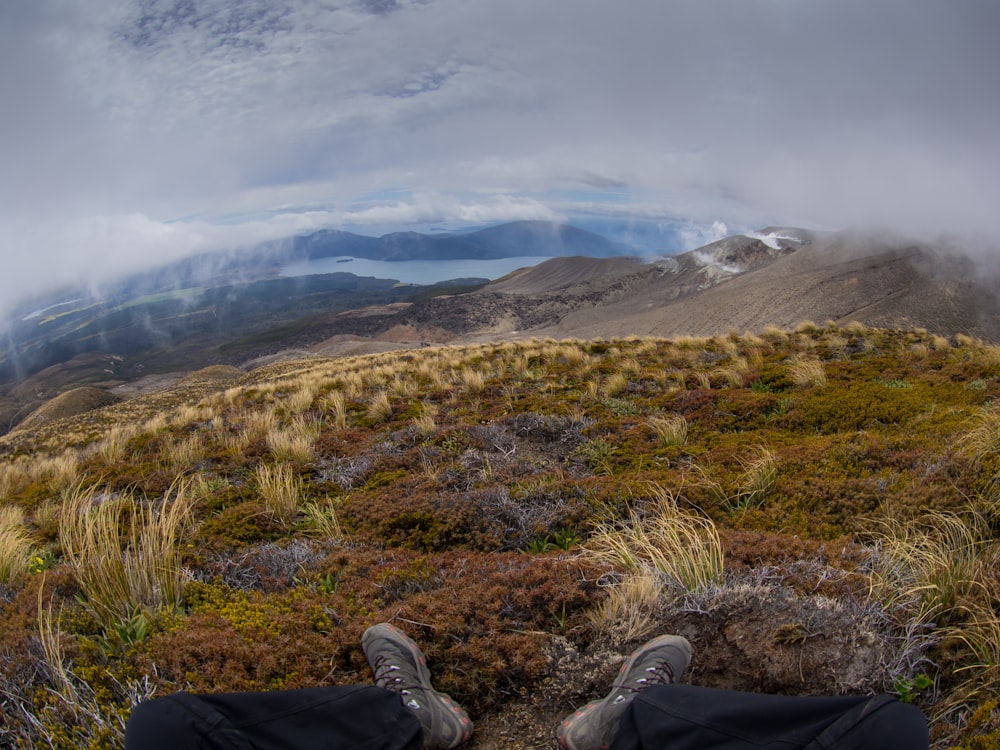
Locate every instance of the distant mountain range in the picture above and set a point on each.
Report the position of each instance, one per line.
(235, 309)
(521, 238)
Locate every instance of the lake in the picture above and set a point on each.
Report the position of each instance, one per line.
(413, 271)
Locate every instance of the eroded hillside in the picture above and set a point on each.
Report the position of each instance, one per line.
(815, 510)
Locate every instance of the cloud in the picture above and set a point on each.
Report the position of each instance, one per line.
(222, 120)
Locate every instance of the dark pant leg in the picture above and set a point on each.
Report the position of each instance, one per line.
(685, 717)
(357, 717)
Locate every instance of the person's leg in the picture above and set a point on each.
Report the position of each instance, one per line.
(402, 712)
(357, 717)
(659, 661)
(646, 711)
(685, 717)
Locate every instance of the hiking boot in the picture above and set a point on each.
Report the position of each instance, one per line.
(399, 666)
(661, 661)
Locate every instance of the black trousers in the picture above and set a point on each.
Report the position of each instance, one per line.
(668, 717)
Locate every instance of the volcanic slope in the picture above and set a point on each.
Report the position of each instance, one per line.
(741, 283)
(777, 277)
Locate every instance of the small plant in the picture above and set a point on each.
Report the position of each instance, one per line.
(565, 539)
(42, 561)
(538, 545)
(598, 454)
(909, 688)
(620, 407)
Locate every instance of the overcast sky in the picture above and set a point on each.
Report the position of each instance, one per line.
(133, 131)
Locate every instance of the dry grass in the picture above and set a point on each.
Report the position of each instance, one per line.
(112, 448)
(260, 422)
(321, 518)
(681, 545)
(989, 355)
(15, 544)
(301, 400)
(614, 384)
(672, 429)
(627, 607)
(757, 480)
(980, 674)
(471, 379)
(932, 566)
(336, 404)
(807, 372)
(774, 335)
(806, 326)
(280, 491)
(184, 454)
(124, 552)
(380, 407)
(734, 374)
(983, 440)
(294, 442)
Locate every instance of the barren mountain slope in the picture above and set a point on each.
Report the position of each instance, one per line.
(835, 279)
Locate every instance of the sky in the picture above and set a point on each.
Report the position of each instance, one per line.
(135, 132)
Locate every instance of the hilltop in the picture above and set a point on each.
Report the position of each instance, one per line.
(815, 509)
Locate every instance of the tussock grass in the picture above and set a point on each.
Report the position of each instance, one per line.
(380, 408)
(980, 673)
(614, 384)
(335, 403)
(983, 439)
(15, 544)
(124, 552)
(932, 566)
(774, 335)
(757, 480)
(112, 448)
(940, 343)
(735, 374)
(280, 491)
(301, 400)
(472, 379)
(807, 372)
(320, 518)
(295, 441)
(183, 454)
(672, 429)
(626, 611)
(681, 545)
(989, 355)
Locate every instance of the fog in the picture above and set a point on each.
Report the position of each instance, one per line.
(139, 131)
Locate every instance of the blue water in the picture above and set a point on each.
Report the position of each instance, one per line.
(413, 271)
